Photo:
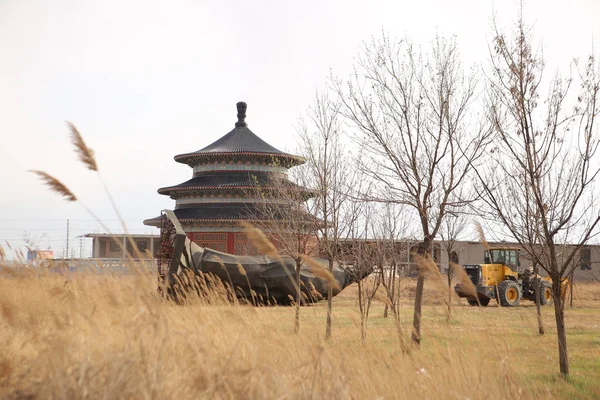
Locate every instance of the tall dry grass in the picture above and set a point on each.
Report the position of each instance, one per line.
(586, 291)
(86, 336)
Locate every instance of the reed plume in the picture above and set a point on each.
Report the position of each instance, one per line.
(384, 299)
(427, 267)
(55, 185)
(220, 262)
(224, 268)
(320, 272)
(242, 272)
(464, 279)
(241, 269)
(87, 157)
(481, 235)
(313, 292)
(85, 154)
(429, 270)
(260, 240)
(60, 188)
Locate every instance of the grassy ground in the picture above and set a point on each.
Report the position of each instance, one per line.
(113, 337)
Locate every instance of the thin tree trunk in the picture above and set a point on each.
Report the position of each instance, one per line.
(416, 333)
(538, 306)
(424, 250)
(393, 297)
(389, 278)
(329, 304)
(363, 329)
(449, 277)
(449, 272)
(539, 310)
(361, 307)
(571, 282)
(298, 297)
(366, 318)
(563, 354)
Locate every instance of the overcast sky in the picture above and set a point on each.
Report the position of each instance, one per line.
(146, 80)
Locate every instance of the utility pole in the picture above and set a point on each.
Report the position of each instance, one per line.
(67, 252)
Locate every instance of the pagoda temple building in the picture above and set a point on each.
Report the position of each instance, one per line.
(232, 180)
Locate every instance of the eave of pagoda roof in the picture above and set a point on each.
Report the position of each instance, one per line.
(284, 160)
(232, 214)
(238, 181)
(240, 142)
(236, 212)
(216, 192)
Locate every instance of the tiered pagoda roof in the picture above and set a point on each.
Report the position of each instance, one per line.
(240, 143)
(230, 176)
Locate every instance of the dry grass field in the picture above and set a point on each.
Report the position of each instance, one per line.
(109, 337)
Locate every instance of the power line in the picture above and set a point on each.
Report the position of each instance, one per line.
(23, 240)
(36, 229)
(79, 220)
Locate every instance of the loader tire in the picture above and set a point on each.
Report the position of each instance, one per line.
(509, 294)
(545, 292)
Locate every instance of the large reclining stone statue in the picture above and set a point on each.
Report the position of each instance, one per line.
(260, 279)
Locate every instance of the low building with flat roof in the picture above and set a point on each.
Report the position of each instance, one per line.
(118, 246)
(586, 263)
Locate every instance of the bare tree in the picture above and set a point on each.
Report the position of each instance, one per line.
(360, 251)
(367, 288)
(334, 182)
(539, 183)
(285, 214)
(451, 231)
(393, 231)
(412, 114)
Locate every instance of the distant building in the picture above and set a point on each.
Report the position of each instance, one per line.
(118, 246)
(586, 262)
(40, 255)
(228, 176)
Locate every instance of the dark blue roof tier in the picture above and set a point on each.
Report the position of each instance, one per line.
(221, 212)
(231, 179)
(233, 213)
(240, 141)
(235, 180)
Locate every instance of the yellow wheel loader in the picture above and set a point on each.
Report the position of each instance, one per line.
(500, 278)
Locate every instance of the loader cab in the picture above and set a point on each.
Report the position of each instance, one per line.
(508, 257)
